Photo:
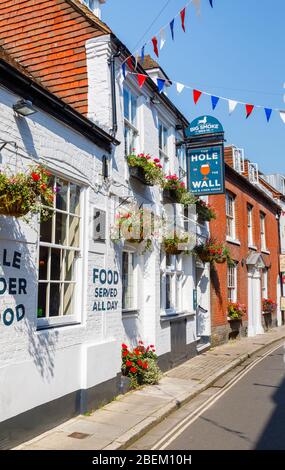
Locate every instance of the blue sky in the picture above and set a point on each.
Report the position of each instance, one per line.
(235, 50)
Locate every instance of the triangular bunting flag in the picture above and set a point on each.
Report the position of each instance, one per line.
(282, 115)
(268, 112)
(249, 109)
(141, 79)
(162, 38)
(160, 84)
(182, 15)
(142, 54)
(179, 87)
(171, 24)
(215, 100)
(232, 105)
(211, 3)
(198, 6)
(196, 95)
(130, 63)
(124, 69)
(155, 48)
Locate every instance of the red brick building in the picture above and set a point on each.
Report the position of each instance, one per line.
(247, 220)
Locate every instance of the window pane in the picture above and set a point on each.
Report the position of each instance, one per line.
(41, 312)
(68, 299)
(61, 194)
(168, 291)
(73, 231)
(126, 105)
(46, 230)
(60, 229)
(54, 300)
(70, 259)
(56, 265)
(74, 198)
(133, 110)
(43, 262)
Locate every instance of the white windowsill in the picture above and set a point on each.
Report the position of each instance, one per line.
(233, 241)
(252, 247)
(263, 250)
(56, 322)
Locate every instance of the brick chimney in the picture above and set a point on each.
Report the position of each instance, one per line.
(94, 6)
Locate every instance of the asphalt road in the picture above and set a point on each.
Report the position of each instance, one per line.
(250, 415)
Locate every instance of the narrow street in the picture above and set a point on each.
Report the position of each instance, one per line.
(250, 415)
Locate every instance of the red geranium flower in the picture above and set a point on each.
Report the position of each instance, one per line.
(129, 364)
(35, 176)
(125, 353)
(140, 363)
(145, 365)
(124, 346)
(133, 370)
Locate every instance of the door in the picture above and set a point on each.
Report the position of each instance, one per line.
(254, 302)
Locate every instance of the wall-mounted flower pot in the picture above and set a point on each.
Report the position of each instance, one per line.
(235, 323)
(138, 173)
(220, 260)
(267, 320)
(169, 195)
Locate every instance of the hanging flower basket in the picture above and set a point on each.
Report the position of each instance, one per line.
(25, 192)
(268, 306)
(145, 169)
(176, 244)
(213, 252)
(204, 211)
(236, 311)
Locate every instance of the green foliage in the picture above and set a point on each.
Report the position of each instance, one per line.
(26, 192)
(151, 167)
(236, 310)
(140, 365)
(205, 211)
(171, 243)
(213, 251)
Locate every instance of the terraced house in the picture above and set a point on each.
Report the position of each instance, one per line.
(69, 295)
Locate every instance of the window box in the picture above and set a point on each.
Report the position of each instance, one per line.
(138, 173)
(170, 195)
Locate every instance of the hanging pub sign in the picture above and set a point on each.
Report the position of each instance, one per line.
(205, 156)
(204, 125)
(206, 170)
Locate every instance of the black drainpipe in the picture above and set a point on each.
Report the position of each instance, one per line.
(113, 89)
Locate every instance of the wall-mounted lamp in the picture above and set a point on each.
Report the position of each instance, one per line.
(154, 100)
(24, 108)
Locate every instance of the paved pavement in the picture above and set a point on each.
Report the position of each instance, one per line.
(121, 422)
(249, 415)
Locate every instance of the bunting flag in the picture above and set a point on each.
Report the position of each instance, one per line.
(155, 48)
(130, 63)
(282, 115)
(182, 15)
(142, 54)
(160, 84)
(232, 105)
(179, 87)
(197, 4)
(196, 95)
(124, 69)
(268, 113)
(162, 38)
(141, 79)
(215, 100)
(249, 109)
(211, 3)
(171, 24)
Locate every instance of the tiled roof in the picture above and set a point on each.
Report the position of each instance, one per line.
(47, 39)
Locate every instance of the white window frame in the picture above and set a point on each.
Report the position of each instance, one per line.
(172, 271)
(130, 124)
(264, 283)
(181, 157)
(232, 283)
(250, 225)
(76, 317)
(230, 216)
(164, 148)
(135, 266)
(262, 218)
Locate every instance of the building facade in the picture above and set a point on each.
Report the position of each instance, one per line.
(248, 216)
(69, 295)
